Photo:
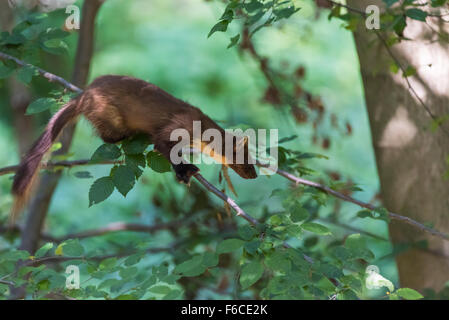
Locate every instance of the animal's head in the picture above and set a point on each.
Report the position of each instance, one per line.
(238, 158)
(242, 162)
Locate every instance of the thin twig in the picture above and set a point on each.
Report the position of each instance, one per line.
(8, 283)
(362, 204)
(110, 228)
(239, 211)
(49, 76)
(398, 63)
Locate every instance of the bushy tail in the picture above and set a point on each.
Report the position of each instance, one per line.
(29, 166)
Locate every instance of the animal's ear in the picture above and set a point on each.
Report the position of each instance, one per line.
(245, 140)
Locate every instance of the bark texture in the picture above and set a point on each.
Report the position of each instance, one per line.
(411, 158)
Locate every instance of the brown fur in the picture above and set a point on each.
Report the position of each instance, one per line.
(119, 107)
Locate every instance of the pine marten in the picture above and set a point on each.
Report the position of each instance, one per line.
(119, 107)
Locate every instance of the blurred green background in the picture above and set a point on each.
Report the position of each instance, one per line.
(165, 42)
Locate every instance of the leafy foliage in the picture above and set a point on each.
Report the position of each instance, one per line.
(292, 255)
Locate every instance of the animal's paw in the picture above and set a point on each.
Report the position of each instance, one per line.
(184, 172)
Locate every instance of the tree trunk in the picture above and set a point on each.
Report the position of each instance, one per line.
(19, 94)
(411, 158)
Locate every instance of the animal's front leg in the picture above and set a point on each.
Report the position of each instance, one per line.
(184, 171)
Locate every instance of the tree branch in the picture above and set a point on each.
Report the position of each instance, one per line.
(362, 204)
(49, 76)
(239, 211)
(110, 228)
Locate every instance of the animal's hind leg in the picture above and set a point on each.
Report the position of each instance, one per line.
(107, 120)
(111, 134)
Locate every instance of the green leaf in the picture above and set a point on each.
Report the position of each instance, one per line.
(188, 265)
(108, 283)
(378, 214)
(160, 289)
(157, 162)
(106, 152)
(234, 41)
(36, 17)
(330, 271)
(365, 213)
(221, 26)
(134, 259)
(252, 246)
(54, 46)
(14, 255)
(43, 250)
(172, 295)
(129, 272)
(136, 145)
(210, 259)
(15, 38)
(288, 139)
(253, 6)
(72, 248)
(247, 232)
(438, 3)
(355, 241)
(409, 294)
(298, 214)
(26, 74)
(316, 228)
(192, 267)
(108, 264)
(55, 147)
(125, 297)
(135, 161)
(229, 245)
(278, 261)
(124, 179)
(285, 12)
(251, 273)
(410, 71)
(357, 246)
(54, 33)
(41, 105)
(100, 190)
(416, 14)
(399, 24)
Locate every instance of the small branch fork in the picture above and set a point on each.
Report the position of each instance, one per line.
(211, 188)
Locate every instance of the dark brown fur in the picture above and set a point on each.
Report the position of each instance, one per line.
(119, 107)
